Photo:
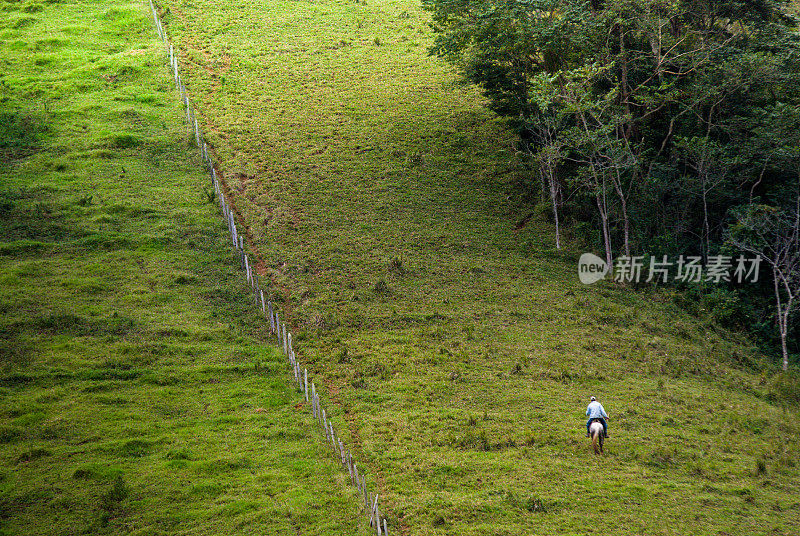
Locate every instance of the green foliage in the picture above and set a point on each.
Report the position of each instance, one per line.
(381, 287)
(338, 181)
(466, 384)
(395, 266)
(784, 387)
(111, 499)
(21, 131)
(503, 46)
(124, 140)
(651, 121)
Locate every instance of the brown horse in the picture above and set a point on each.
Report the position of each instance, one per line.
(596, 433)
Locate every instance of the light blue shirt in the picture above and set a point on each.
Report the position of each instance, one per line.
(595, 410)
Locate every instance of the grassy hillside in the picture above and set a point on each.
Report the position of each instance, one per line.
(459, 345)
(137, 392)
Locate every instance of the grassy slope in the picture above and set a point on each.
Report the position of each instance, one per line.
(129, 346)
(465, 383)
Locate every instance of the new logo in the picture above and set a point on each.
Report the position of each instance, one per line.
(591, 268)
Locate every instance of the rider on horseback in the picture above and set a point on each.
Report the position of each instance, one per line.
(595, 411)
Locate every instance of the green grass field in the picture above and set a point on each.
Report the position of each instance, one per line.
(462, 349)
(457, 347)
(138, 392)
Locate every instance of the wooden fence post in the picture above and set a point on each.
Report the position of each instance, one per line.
(375, 515)
(271, 320)
(349, 465)
(275, 325)
(314, 399)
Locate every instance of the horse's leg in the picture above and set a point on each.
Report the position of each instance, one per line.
(594, 442)
(601, 443)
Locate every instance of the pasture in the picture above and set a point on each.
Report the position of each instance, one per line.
(458, 348)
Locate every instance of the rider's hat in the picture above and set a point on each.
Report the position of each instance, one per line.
(593, 399)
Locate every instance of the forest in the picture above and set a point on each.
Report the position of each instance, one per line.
(656, 129)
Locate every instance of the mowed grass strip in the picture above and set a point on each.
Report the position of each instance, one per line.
(138, 391)
(460, 346)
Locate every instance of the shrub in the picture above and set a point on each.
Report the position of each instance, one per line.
(544, 212)
(9, 434)
(24, 22)
(20, 130)
(135, 448)
(111, 499)
(124, 141)
(761, 466)
(395, 266)
(118, 493)
(32, 454)
(381, 287)
(784, 387)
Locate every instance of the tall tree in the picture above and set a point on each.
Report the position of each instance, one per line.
(663, 116)
(773, 235)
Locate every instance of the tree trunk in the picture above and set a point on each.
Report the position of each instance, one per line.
(624, 208)
(602, 209)
(706, 228)
(555, 219)
(782, 317)
(784, 334)
(551, 174)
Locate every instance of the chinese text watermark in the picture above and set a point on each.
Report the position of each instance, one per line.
(683, 269)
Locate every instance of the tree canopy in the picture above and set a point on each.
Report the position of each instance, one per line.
(652, 122)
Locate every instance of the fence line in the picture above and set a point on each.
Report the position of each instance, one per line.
(276, 327)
